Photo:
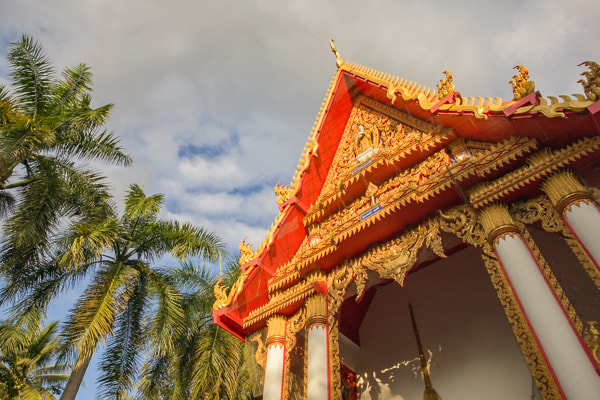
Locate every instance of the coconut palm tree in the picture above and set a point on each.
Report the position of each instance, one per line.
(47, 128)
(131, 303)
(207, 362)
(27, 371)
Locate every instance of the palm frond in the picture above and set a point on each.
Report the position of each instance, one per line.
(92, 320)
(138, 205)
(75, 82)
(167, 322)
(32, 75)
(122, 358)
(86, 143)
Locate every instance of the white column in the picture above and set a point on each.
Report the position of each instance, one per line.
(317, 374)
(564, 352)
(574, 203)
(273, 385)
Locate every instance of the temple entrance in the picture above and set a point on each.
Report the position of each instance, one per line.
(469, 345)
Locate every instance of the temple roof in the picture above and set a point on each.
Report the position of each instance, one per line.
(509, 130)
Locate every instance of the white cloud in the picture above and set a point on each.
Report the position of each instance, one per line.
(245, 80)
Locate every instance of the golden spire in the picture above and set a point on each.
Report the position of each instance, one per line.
(338, 59)
(430, 393)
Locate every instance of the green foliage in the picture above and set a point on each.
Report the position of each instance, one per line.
(27, 370)
(47, 127)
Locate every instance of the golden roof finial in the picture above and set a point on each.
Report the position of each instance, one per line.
(522, 86)
(445, 87)
(591, 86)
(338, 59)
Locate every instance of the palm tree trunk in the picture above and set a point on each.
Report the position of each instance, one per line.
(75, 379)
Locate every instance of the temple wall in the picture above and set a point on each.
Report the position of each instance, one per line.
(463, 330)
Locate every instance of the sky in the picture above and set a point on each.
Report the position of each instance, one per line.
(215, 100)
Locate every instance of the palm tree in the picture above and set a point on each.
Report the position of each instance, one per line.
(26, 368)
(47, 125)
(207, 362)
(130, 302)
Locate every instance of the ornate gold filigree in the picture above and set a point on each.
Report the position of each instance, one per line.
(246, 253)
(445, 87)
(222, 298)
(283, 193)
(525, 337)
(563, 189)
(591, 85)
(464, 222)
(279, 301)
(295, 324)
(592, 339)
(540, 209)
(388, 137)
(260, 356)
(497, 222)
(538, 166)
(337, 284)
(522, 86)
(413, 185)
(553, 282)
(393, 260)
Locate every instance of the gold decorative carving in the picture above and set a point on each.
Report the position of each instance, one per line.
(361, 279)
(464, 222)
(393, 259)
(413, 185)
(497, 222)
(280, 300)
(591, 85)
(339, 62)
(222, 299)
(538, 166)
(564, 189)
(295, 324)
(592, 339)
(540, 209)
(246, 252)
(337, 284)
(540, 370)
(261, 353)
(276, 327)
(283, 193)
(445, 87)
(376, 135)
(522, 86)
(316, 310)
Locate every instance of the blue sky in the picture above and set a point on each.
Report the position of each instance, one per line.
(215, 99)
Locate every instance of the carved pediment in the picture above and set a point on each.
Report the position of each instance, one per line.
(377, 137)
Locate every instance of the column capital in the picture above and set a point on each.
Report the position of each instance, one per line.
(276, 330)
(316, 310)
(564, 189)
(497, 222)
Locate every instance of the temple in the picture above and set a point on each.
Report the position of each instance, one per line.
(430, 246)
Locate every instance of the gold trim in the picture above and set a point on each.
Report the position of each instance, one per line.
(497, 222)
(337, 284)
(295, 324)
(540, 370)
(564, 189)
(538, 166)
(463, 221)
(413, 185)
(540, 209)
(276, 330)
(316, 311)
